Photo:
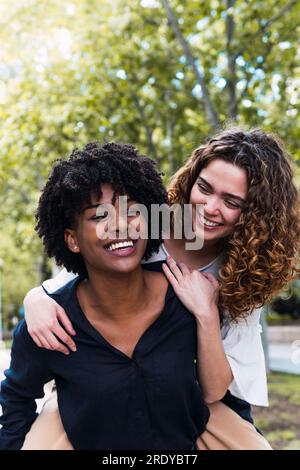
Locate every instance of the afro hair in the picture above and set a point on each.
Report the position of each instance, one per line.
(73, 181)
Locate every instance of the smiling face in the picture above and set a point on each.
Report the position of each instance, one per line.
(222, 188)
(119, 253)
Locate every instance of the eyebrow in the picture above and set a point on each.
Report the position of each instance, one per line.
(94, 206)
(234, 196)
(91, 206)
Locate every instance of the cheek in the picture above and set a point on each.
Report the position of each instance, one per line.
(142, 247)
(87, 234)
(196, 197)
(232, 217)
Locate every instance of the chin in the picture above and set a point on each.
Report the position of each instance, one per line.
(214, 237)
(126, 266)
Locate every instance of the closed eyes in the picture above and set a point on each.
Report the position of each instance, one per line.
(229, 202)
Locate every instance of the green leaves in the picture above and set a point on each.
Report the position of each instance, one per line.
(86, 70)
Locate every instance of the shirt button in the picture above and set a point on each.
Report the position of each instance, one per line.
(139, 413)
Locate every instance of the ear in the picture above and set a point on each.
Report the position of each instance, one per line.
(71, 240)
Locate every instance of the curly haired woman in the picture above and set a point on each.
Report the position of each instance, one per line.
(251, 232)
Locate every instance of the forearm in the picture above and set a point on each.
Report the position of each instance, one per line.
(199, 293)
(50, 285)
(32, 294)
(60, 280)
(214, 371)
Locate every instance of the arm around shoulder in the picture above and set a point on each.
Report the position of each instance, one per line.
(47, 322)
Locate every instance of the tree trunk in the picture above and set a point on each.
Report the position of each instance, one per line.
(150, 144)
(211, 115)
(232, 78)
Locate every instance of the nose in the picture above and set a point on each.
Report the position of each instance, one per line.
(121, 222)
(211, 205)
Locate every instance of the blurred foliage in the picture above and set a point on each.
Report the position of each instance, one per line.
(286, 307)
(280, 422)
(82, 70)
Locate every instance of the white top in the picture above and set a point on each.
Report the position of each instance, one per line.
(242, 340)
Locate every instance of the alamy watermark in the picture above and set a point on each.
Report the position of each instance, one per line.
(133, 220)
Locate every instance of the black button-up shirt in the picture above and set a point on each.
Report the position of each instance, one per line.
(152, 401)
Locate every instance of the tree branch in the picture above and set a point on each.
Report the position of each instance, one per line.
(208, 106)
(232, 78)
(267, 24)
(278, 15)
(151, 146)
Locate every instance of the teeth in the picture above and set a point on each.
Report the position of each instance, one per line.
(116, 246)
(208, 222)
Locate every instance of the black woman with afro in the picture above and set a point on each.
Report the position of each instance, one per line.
(131, 383)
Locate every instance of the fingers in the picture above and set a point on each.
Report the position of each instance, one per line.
(206, 275)
(44, 342)
(52, 336)
(174, 268)
(64, 337)
(49, 341)
(212, 279)
(170, 276)
(36, 340)
(64, 319)
(184, 269)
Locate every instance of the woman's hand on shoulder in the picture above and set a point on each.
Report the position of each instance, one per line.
(197, 291)
(47, 322)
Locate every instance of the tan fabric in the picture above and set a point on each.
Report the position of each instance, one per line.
(225, 430)
(47, 432)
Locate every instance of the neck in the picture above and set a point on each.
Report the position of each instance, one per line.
(115, 295)
(194, 259)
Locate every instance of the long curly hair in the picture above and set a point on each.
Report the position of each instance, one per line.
(262, 254)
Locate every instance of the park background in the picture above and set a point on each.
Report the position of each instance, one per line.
(162, 75)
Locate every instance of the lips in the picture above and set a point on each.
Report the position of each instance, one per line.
(209, 223)
(119, 244)
(121, 247)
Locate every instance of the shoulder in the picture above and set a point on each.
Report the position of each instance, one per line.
(155, 266)
(251, 320)
(66, 294)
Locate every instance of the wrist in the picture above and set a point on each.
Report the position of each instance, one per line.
(207, 316)
(32, 296)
